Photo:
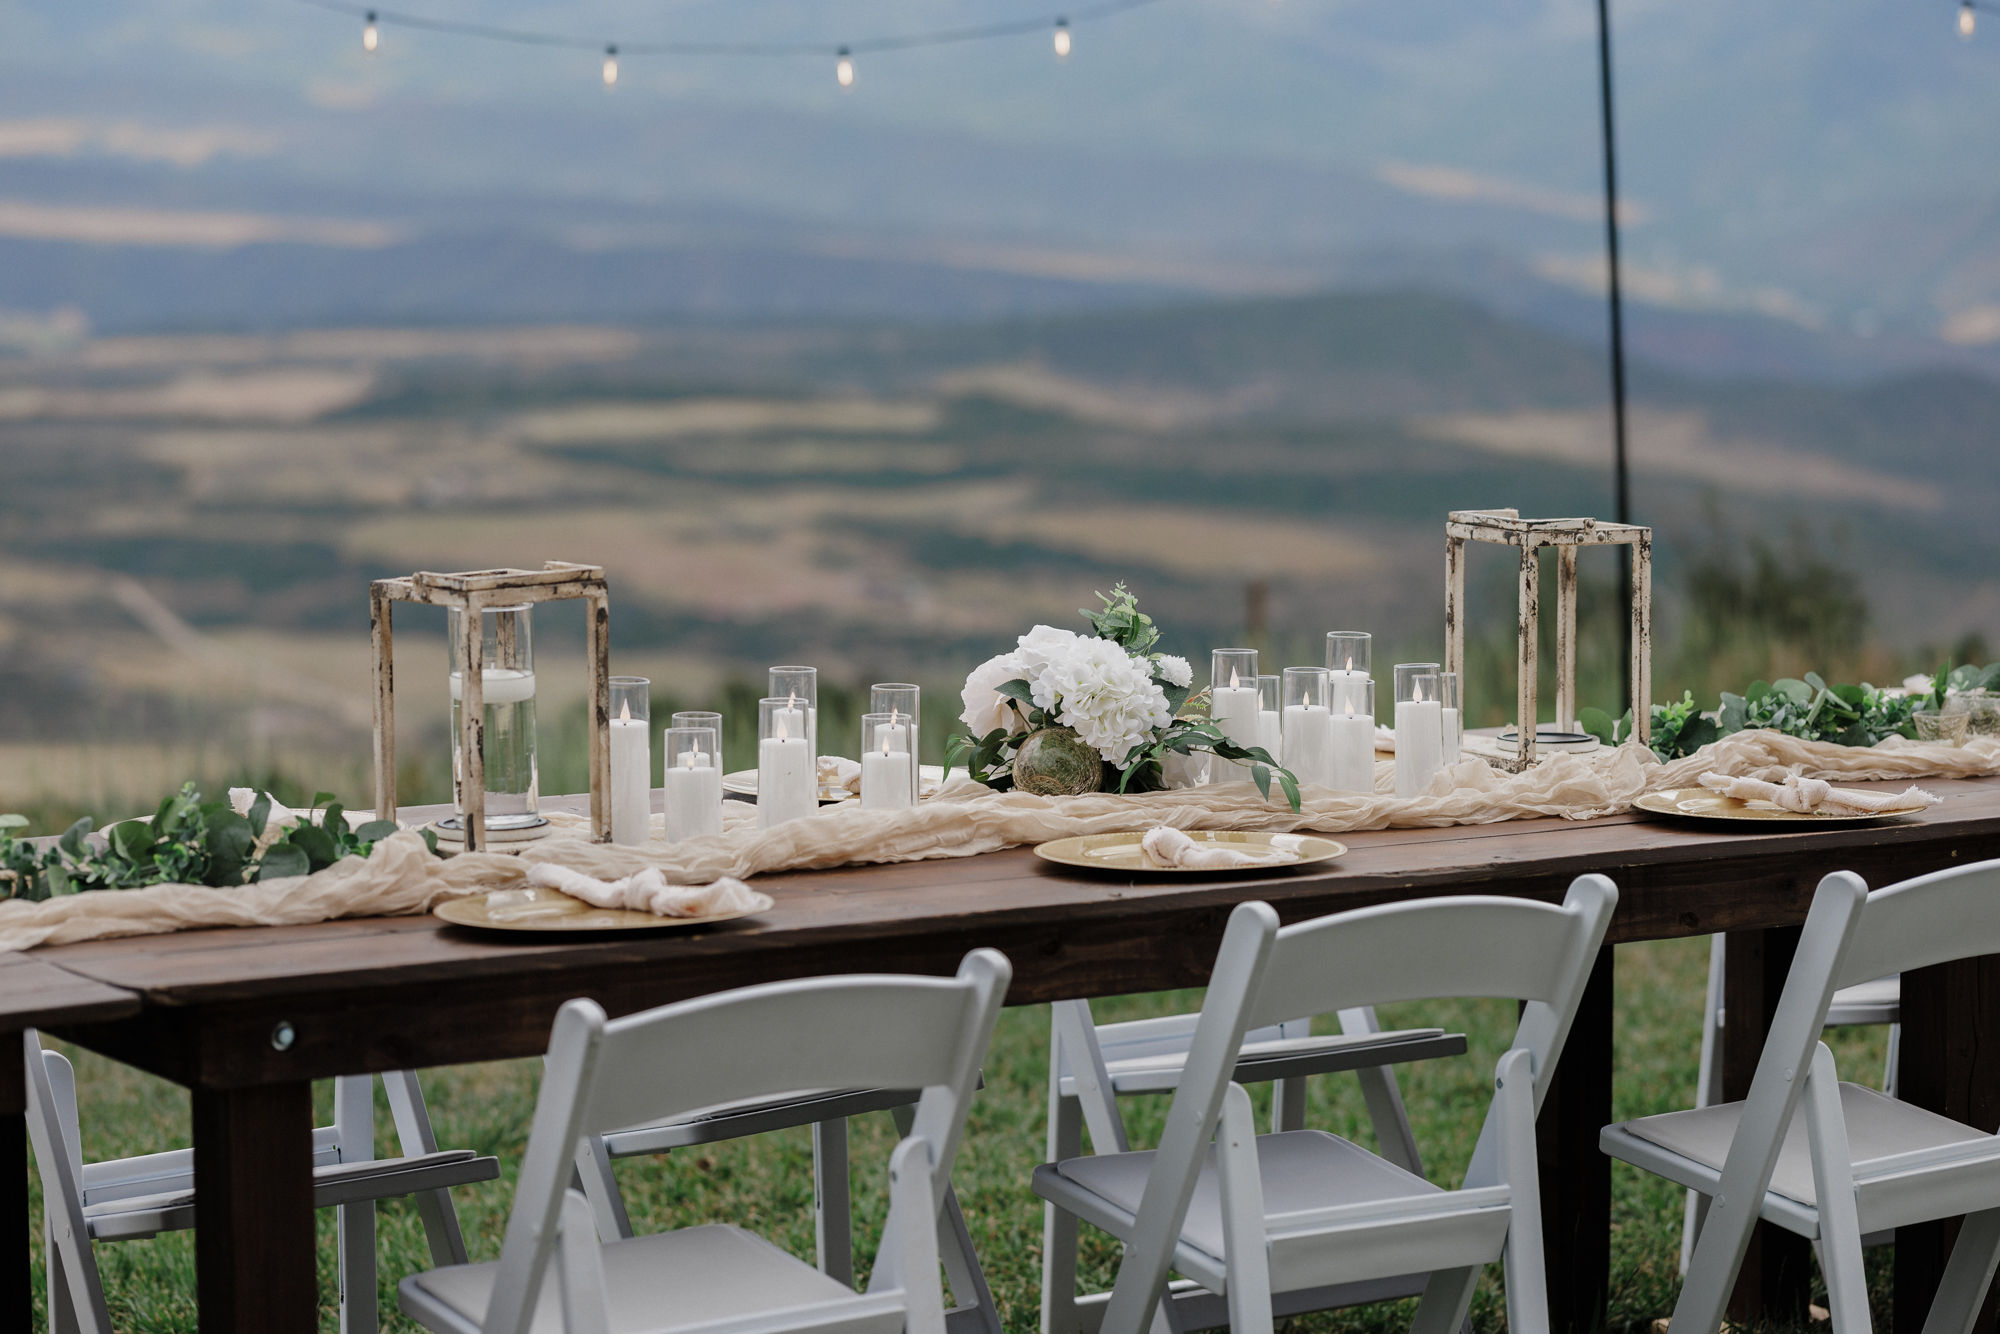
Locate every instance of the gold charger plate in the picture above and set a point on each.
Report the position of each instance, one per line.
(1699, 803)
(539, 908)
(1120, 852)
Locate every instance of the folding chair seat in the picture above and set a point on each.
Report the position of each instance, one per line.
(826, 1111)
(127, 1199)
(738, 1049)
(1837, 1162)
(1147, 1056)
(1299, 1220)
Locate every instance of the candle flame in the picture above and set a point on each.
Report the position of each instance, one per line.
(885, 743)
(1350, 706)
(687, 759)
(1234, 680)
(792, 700)
(894, 717)
(1417, 692)
(624, 710)
(783, 735)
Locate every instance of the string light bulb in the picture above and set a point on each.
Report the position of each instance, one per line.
(371, 36)
(843, 68)
(1062, 39)
(610, 66)
(1966, 21)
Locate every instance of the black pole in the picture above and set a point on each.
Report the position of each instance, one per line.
(1620, 483)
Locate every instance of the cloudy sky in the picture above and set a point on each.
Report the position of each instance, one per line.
(1830, 163)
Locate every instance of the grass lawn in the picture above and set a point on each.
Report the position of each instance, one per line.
(766, 1184)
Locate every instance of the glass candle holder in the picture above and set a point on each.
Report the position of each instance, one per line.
(1454, 716)
(631, 759)
(507, 698)
(1233, 704)
(1982, 709)
(1349, 651)
(1351, 739)
(1419, 727)
(1308, 724)
(787, 777)
(1270, 716)
(904, 703)
(1950, 727)
(887, 763)
(693, 782)
(801, 684)
(704, 718)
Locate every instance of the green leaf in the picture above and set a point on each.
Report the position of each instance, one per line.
(334, 820)
(316, 844)
(1599, 724)
(1017, 689)
(430, 840)
(1695, 733)
(1798, 692)
(376, 830)
(320, 799)
(132, 839)
(1261, 776)
(260, 813)
(1734, 711)
(1813, 680)
(281, 860)
(72, 840)
(1757, 691)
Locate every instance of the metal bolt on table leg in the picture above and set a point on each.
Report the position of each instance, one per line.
(283, 1036)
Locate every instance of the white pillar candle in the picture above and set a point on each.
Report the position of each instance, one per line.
(1349, 692)
(885, 779)
(693, 796)
(1234, 710)
(1271, 733)
(1351, 750)
(631, 779)
(1308, 743)
(787, 787)
(1419, 744)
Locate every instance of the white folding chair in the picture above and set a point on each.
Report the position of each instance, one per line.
(1833, 1161)
(781, 1039)
(1142, 1056)
(1271, 1222)
(1876, 1001)
(826, 1112)
(127, 1199)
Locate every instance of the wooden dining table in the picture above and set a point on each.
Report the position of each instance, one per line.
(246, 1018)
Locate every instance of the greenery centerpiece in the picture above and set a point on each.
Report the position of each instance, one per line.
(1067, 713)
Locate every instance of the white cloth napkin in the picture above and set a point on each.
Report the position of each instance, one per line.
(1385, 739)
(1810, 795)
(1166, 846)
(839, 771)
(648, 891)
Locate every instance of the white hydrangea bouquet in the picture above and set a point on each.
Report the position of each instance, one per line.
(1067, 713)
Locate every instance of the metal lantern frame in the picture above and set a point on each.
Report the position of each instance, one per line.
(1567, 537)
(473, 593)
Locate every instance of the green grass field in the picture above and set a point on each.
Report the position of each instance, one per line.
(766, 1184)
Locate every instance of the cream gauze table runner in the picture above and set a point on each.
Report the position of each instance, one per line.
(964, 820)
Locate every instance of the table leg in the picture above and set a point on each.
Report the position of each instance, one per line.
(1776, 1278)
(254, 1263)
(1951, 1025)
(1576, 1175)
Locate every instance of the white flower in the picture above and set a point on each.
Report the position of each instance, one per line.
(1106, 695)
(1917, 685)
(1175, 671)
(985, 707)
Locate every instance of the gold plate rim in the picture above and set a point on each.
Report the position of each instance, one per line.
(470, 912)
(1670, 804)
(1071, 852)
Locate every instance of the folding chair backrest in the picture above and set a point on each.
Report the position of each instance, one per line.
(1820, 961)
(1935, 918)
(786, 1037)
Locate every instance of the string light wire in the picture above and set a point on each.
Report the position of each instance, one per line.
(851, 47)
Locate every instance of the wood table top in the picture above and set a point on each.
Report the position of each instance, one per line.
(1069, 933)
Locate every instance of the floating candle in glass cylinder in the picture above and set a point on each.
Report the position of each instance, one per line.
(802, 685)
(1349, 651)
(631, 759)
(1233, 700)
(507, 700)
(704, 718)
(1454, 718)
(787, 778)
(693, 781)
(1270, 716)
(904, 703)
(1351, 737)
(1308, 725)
(886, 763)
(1419, 727)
